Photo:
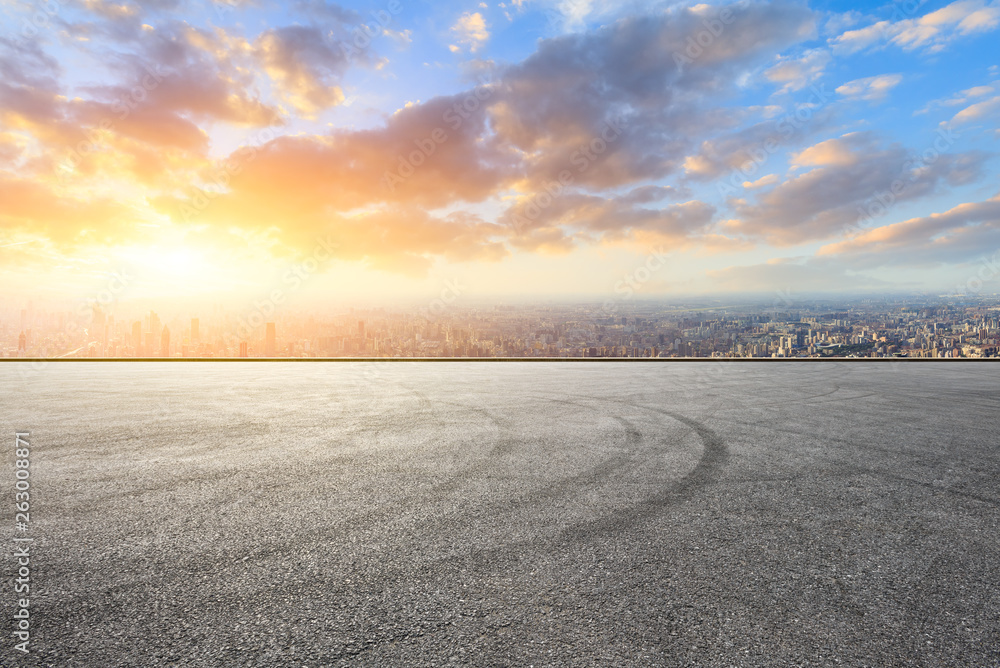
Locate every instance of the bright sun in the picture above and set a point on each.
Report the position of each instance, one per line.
(170, 268)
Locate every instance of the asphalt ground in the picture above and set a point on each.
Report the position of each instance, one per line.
(268, 514)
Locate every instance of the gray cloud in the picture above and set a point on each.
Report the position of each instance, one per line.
(574, 217)
(305, 67)
(635, 71)
(961, 234)
(320, 10)
(848, 175)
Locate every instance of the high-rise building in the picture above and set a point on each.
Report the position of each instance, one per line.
(244, 349)
(102, 335)
(165, 342)
(270, 341)
(97, 321)
(154, 326)
(137, 338)
(195, 334)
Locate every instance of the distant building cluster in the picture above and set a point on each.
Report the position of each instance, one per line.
(861, 328)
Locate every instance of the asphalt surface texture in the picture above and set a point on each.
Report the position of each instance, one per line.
(417, 514)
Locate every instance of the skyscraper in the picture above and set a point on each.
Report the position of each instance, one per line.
(97, 326)
(137, 338)
(270, 343)
(244, 349)
(165, 342)
(195, 334)
(154, 326)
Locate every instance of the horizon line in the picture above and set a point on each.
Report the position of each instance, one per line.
(500, 359)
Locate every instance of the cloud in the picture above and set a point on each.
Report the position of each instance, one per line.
(111, 10)
(33, 207)
(848, 176)
(305, 63)
(327, 12)
(796, 73)
(26, 64)
(305, 67)
(742, 153)
(575, 13)
(196, 81)
(829, 153)
(763, 181)
(471, 31)
(985, 109)
(650, 194)
(146, 123)
(178, 69)
(612, 108)
(837, 22)
(872, 89)
(963, 97)
(958, 235)
(402, 38)
(566, 16)
(622, 110)
(628, 75)
(298, 184)
(932, 32)
(11, 147)
(581, 218)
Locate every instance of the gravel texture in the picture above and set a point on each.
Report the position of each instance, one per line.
(307, 515)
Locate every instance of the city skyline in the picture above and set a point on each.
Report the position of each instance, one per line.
(787, 327)
(202, 152)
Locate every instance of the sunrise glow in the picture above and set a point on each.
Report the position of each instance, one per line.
(527, 148)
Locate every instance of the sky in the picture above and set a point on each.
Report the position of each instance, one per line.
(369, 151)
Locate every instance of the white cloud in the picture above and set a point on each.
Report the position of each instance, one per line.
(768, 180)
(829, 153)
(575, 12)
(931, 32)
(566, 16)
(837, 23)
(955, 100)
(403, 38)
(873, 89)
(797, 73)
(985, 109)
(471, 31)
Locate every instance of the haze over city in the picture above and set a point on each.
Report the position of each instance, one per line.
(789, 326)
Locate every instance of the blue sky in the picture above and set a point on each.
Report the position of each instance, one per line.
(757, 146)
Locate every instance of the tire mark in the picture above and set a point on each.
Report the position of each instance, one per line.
(498, 558)
(562, 486)
(713, 459)
(849, 468)
(920, 483)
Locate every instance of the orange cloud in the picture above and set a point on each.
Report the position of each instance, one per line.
(31, 207)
